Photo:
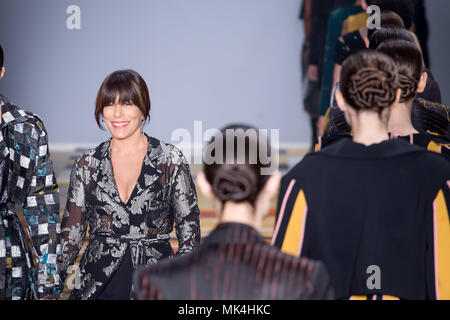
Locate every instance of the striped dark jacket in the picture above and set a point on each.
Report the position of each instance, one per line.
(234, 263)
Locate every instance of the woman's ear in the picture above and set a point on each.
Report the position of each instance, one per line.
(204, 185)
(2, 72)
(422, 82)
(341, 101)
(398, 96)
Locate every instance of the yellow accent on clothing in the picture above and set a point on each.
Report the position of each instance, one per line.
(8, 263)
(294, 232)
(435, 147)
(387, 297)
(442, 246)
(360, 297)
(357, 21)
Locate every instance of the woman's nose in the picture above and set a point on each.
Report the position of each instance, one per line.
(117, 110)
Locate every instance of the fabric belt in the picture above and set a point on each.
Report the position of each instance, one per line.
(138, 244)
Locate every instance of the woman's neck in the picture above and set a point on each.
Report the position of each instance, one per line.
(129, 145)
(233, 212)
(368, 129)
(400, 123)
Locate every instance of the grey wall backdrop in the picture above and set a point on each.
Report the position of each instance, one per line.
(438, 17)
(217, 61)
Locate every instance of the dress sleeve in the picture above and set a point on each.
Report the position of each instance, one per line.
(185, 208)
(74, 223)
(438, 247)
(41, 211)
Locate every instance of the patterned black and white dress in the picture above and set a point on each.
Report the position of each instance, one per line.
(27, 181)
(126, 234)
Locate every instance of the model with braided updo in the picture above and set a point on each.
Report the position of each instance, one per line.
(234, 262)
(427, 124)
(413, 80)
(361, 205)
(369, 87)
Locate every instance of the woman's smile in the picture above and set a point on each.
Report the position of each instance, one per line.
(120, 124)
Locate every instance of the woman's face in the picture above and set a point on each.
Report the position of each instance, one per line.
(122, 120)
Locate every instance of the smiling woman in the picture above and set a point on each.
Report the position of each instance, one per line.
(130, 191)
(122, 88)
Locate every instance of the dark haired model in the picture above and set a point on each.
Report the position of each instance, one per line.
(413, 80)
(27, 180)
(374, 210)
(234, 262)
(129, 191)
(428, 117)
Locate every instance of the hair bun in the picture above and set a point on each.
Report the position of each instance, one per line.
(234, 183)
(372, 87)
(408, 85)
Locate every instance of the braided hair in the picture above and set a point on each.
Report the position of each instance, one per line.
(369, 81)
(410, 65)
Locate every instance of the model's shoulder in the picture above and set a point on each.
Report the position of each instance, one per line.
(23, 121)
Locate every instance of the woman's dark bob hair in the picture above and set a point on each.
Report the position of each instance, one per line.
(127, 86)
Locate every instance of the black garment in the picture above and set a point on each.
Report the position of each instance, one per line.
(314, 136)
(430, 142)
(354, 207)
(320, 12)
(119, 285)
(351, 43)
(164, 196)
(234, 263)
(422, 29)
(431, 117)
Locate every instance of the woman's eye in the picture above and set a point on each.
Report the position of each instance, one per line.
(128, 103)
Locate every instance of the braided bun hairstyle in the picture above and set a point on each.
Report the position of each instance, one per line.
(369, 81)
(409, 61)
(236, 177)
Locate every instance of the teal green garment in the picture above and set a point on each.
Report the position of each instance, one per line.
(337, 18)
